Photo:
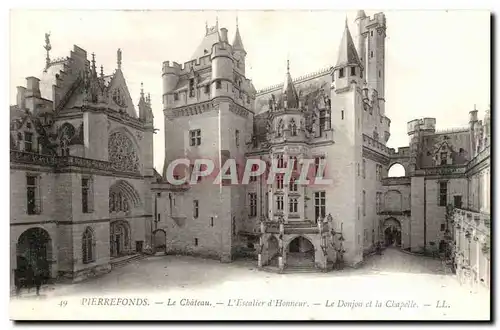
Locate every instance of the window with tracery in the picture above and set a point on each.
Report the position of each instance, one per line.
(118, 202)
(122, 153)
(88, 246)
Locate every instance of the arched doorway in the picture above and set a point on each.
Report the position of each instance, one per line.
(392, 232)
(119, 238)
(160, 240)
(272, 250)
(34, 250)
(300, 252)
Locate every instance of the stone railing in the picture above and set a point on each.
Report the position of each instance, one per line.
(84, 162)
(32, 158)
(471, 218)
(57, 161)
(375, 145)
(485, 153)
(442, 170)
(394, 181)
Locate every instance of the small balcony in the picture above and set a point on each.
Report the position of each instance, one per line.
(476, 219)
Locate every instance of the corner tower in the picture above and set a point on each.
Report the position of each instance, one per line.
(371, 49)
(346, 105)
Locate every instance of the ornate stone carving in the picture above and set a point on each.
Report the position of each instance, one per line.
(122, 153)
(118, 97)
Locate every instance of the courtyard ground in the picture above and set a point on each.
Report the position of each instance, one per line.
(392, 286)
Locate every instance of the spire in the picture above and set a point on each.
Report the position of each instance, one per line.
(237, 43)
(119, 58)
(142, 90)
(290, 97)
(102, 72)
(94, 70)
(347, 52)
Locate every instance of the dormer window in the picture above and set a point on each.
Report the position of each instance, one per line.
(176, 96)
(207, 89)
(205, 51)
(444, 158)
(28, 141)
(218, 84)
(353, 71)
(341, 73)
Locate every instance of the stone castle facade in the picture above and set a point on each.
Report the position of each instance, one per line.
(85, 144)
(81, 162)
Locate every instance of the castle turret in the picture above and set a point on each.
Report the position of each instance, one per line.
(239, 52)
(170, 76)
(371, 49)
(290, 98)
(361, 36)
(222, 67)
(472, 123)
(346, 105)
(348, 68)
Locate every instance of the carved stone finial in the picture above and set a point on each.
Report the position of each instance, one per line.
(93, 62)
(47, 47)
(119, 58)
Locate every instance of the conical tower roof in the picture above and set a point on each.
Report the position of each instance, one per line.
(347, 54)
(237, 43)
(289, 91)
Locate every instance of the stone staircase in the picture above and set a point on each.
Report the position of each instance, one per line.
(122, 261)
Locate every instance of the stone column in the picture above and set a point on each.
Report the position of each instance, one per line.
(281, 250)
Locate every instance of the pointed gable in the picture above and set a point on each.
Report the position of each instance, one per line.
(119, 94)
(211, 37)
(347, 54)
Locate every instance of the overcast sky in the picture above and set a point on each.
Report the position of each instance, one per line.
(437, 62)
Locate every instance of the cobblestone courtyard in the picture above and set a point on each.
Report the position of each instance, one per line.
(395, 279)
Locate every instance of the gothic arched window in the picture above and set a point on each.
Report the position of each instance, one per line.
(88, 246)
(122, 153)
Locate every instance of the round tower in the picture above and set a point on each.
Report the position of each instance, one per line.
(170, 77)
(222, 67)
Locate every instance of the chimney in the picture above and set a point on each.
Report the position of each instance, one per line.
(33, 87)
(21, 98)
(223, 35)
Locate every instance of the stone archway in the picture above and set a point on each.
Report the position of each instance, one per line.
(273, 250)
(34, 253)
(119, 238)
(160, 241)
(392, 232)
(300, 252)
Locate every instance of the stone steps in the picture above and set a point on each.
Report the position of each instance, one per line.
(126, 260)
